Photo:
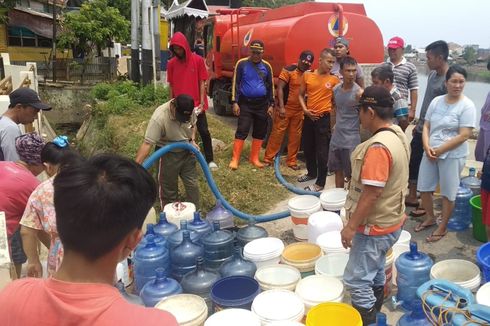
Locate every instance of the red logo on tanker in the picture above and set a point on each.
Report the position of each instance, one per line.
(248, 37)
(328, 85)
(333, 25)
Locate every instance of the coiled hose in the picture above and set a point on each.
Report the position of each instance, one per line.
(212, 185)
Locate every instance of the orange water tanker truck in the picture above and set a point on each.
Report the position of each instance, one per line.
(285, 32)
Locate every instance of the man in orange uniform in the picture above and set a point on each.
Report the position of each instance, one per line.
(290, 114)
(317, 86)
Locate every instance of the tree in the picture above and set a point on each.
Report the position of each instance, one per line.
(92, 29)
(124, 7)
(270, 3)
(469, 54)
(408, 48)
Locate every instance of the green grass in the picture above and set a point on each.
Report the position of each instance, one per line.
(250, 190)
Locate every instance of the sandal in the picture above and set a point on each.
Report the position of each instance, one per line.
(294, 167)
(418, 212)
(267, 164)
(435, 237)
(409, 204)
(305, 178)
(421, 226)
(313, 188)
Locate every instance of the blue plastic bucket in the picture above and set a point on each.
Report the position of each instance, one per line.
(483, 259)
(234, 292)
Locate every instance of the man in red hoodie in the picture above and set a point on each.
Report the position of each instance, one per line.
(187, 74)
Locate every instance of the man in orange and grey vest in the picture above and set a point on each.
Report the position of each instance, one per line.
(375, 205)
(252, 98)
(289, 116)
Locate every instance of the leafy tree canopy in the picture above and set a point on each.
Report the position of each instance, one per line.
(93, 27)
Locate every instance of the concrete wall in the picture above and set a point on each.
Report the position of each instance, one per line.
(68, 103)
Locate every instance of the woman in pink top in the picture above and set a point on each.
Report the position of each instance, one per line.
(39, 219)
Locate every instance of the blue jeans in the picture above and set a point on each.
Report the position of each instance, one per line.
(366, 266)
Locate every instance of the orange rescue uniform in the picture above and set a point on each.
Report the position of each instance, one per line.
(320, 92)
(293, 120)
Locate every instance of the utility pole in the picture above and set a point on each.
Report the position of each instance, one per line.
(54, 42)
(135, 50)
(147, 40)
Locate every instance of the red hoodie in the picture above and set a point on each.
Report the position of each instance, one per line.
(184, 75)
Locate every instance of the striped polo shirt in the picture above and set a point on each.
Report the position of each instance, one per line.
(405, 77)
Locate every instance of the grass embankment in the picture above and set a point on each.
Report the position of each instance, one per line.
(120, 118)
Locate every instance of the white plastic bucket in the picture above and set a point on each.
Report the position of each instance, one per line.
(404, 238)
(331, 242)
(333, 199)
(483, 295)
(179, 211)
(235, 317)
(321, 222)
(188, 309)
(300, 209)
(264, 251)
(398, 249)
(461, 272)
(283, 277)
(278, 305)
(332, 265)
(317, 289)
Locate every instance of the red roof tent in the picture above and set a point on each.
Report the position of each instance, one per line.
(286, 32)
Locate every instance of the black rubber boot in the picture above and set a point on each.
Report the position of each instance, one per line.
(368, 315)
(379, 294)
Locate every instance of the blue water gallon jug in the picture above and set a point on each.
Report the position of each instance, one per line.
(472, 182)
(150, 229)
(176, 238)
(221, 215)
(199, 225)
(159, 288)
(237, 265)
(200, 282)
(131, 298)
(147, 259)
(413, 269)
(163, 227)
(414, 318)
(250, 232)
(218, 246)
(461, 217)
(184, 256)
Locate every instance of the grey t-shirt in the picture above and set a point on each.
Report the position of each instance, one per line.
(435, 87)
(9, 130)
(346, 133)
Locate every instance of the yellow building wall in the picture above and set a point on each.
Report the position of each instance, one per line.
(18, 53)
(3, 38)
(163, 34)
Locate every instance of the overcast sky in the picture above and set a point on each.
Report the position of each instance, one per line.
(420, 22)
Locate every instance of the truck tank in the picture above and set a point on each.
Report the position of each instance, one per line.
(308, 26)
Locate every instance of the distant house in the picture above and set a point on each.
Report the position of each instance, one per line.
(455, 50)
(28, 33)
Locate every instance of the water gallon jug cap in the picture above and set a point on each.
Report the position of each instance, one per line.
(216, 225)
(197, 219)
(183, 224)
(163, 218)
(149, 229)
(150, 240)
(414, 253)
(160, 273)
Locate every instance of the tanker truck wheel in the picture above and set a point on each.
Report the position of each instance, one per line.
(219, 109)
